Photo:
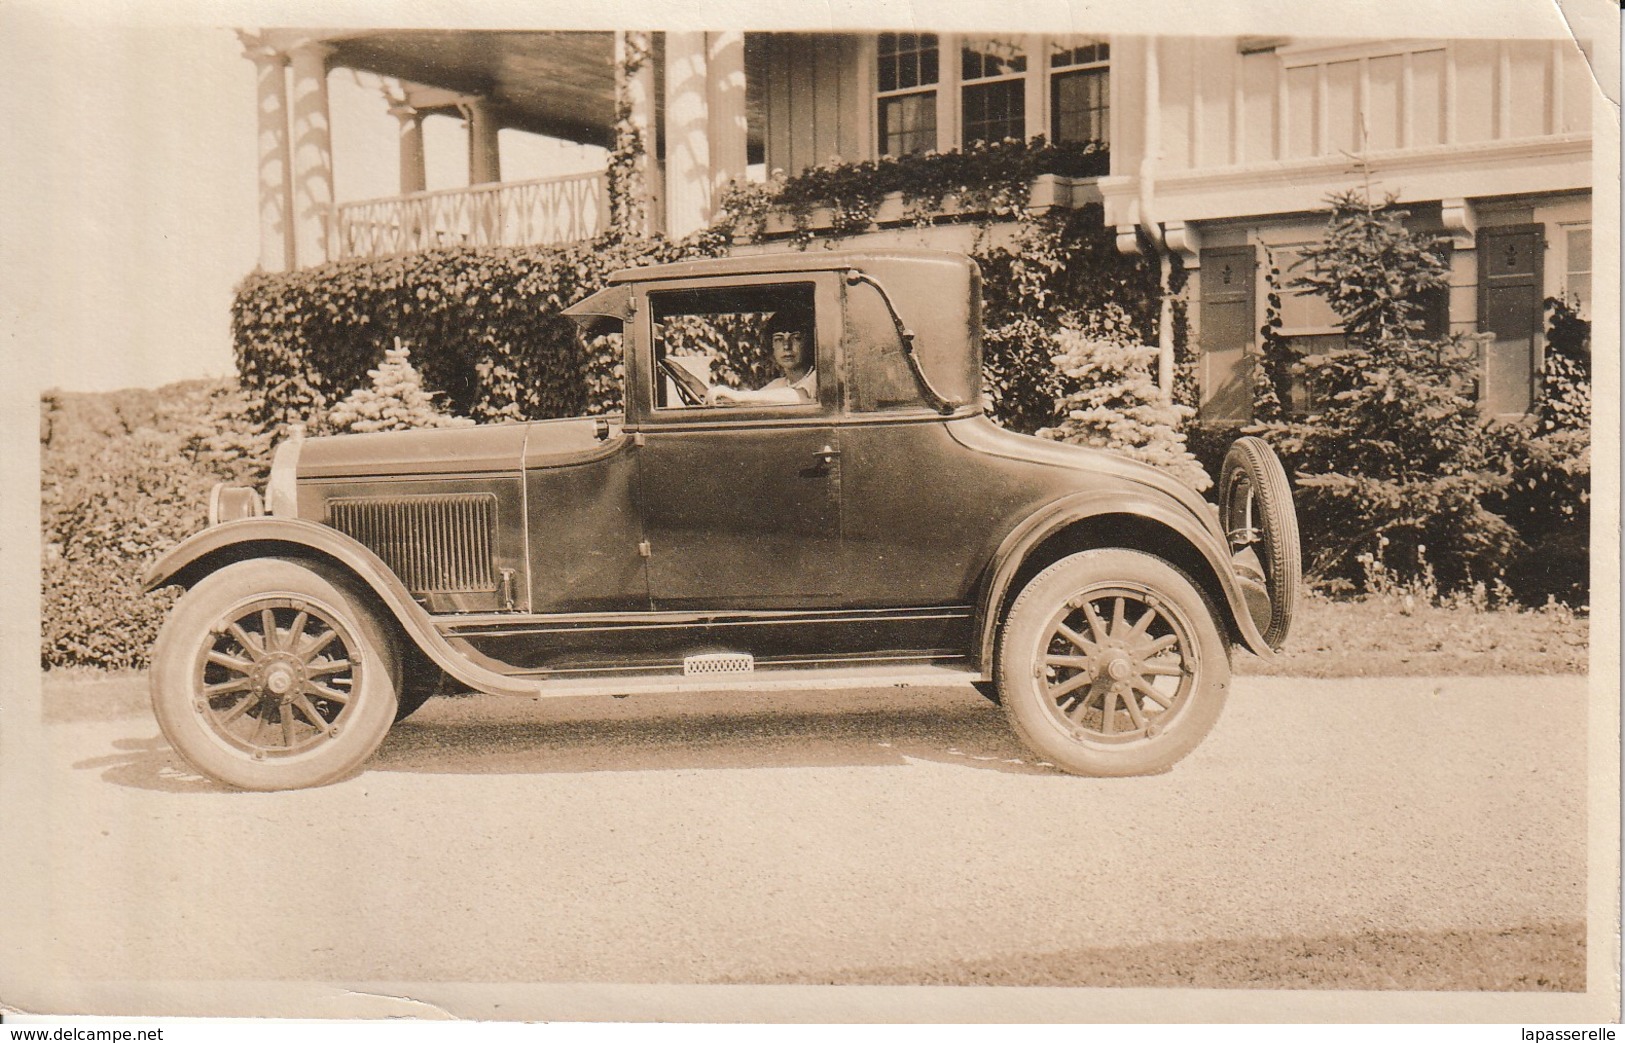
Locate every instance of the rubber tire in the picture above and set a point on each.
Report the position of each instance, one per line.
(366, 720)
(1026, 633)
(1251, 459)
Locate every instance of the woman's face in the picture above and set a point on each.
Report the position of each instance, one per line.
(790, 349)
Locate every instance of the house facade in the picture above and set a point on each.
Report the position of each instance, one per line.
(1221, 152)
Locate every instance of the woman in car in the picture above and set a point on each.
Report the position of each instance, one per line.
(788, 337)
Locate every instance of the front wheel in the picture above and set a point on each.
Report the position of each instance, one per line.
(1112, 663)
(270, 675)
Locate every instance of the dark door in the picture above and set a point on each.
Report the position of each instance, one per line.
(1509, 306)
(1228, 326)
(741, 514)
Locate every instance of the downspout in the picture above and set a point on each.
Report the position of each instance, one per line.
(1152, 147)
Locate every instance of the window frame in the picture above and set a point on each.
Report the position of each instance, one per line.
(826, 353)
(1037, 106)
(881, 96)
(1053, 72)
(971, 83)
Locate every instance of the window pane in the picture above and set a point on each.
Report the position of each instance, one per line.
(1079, 106)
(908, 123)
(1076, 51)
(1304, 396)
(995, 111)
(1578, 282)
(906, 60)
(981, 57)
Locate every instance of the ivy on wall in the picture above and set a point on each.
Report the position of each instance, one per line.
(627, 173)
(992, 179)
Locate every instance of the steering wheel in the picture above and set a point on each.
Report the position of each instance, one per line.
(685, 382)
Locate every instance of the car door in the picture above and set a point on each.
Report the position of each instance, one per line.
(741, 504)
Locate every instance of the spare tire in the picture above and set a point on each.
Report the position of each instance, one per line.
(1256, 511)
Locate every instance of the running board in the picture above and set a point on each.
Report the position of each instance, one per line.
(904, 675)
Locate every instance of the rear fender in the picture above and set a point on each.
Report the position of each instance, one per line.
(221, 545)
(1018, 547)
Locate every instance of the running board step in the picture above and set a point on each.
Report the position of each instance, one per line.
(892, 676)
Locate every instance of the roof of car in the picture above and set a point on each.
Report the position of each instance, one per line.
(786, 261)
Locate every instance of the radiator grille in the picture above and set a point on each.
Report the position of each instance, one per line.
(435, 544)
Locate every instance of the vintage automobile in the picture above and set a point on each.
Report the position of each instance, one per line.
(859, 522)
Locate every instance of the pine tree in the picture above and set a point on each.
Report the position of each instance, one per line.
(1115, 403)
(396, 401)
(1393, 453)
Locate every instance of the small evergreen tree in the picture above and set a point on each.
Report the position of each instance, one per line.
(396, 401)
(1395, 449)
(1114, 403)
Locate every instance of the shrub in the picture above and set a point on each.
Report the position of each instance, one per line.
(125, 476)
(1547, 498)
(1061, 265)
(1116, 405)
(1396, 449)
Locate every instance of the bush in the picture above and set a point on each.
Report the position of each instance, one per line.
(125, 476)
(1548, 496)
(1396, 453)
(1060, 266)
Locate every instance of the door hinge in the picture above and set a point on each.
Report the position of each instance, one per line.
(643, 549)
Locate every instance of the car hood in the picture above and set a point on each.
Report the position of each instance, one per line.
(484, 449)
(985, 436)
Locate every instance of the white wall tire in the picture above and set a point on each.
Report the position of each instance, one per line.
(1112, 663)
(270, 674)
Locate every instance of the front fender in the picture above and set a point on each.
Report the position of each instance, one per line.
(1016, 547)
(220, 545)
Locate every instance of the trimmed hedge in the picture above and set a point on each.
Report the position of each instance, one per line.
(483, 326)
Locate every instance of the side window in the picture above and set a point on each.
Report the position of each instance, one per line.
(735, 346)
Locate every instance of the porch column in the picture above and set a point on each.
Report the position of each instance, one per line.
(413, 178)
(484, 158)
(688, 148)
(725, 98)
(635, 188)
(271, 108)
(312, 154)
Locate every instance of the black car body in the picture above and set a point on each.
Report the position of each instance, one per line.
(877, 529)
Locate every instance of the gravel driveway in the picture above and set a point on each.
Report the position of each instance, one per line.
(867, 836)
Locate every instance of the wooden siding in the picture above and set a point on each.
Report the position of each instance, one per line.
(1221, 108)
(815, 110)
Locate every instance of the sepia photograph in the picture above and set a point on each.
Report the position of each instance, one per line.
(963, 513)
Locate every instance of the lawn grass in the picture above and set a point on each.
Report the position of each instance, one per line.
(1391, 636)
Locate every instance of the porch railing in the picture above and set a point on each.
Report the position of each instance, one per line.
(512, 213)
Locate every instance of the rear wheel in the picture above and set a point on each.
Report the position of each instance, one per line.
(270, 674)
(1112, 664)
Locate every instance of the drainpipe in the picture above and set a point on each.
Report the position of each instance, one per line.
(1149, 222)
